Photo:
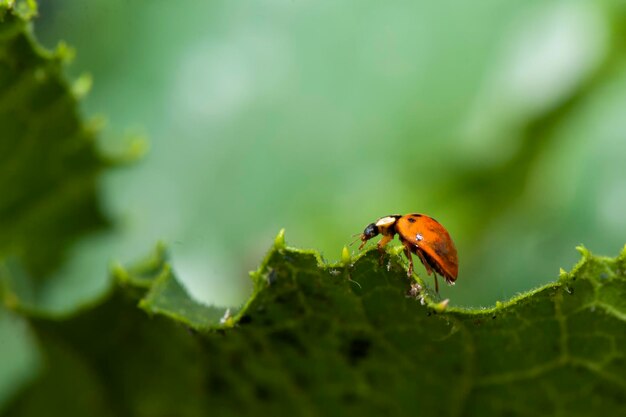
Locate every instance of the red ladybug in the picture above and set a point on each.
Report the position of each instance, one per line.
(421, 235)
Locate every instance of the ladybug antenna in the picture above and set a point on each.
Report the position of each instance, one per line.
(358, 237)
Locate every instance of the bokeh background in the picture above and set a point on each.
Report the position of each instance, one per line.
(506, 121)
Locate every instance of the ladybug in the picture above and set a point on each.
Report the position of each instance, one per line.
(421, 235)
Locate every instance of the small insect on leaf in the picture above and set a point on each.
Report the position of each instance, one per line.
(420, 235)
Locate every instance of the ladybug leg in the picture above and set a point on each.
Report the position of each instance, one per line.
(407, 252)
(381, 244)
(426, 264)
(429, 270)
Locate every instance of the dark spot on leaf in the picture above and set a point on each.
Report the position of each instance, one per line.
(358, 349)
(257, 346)
(245, 319)
(236, 361)
(271, 277)
(289, 338)
(609, 393)
(319, 297)
(262, 393)
(217, 384)
(302, 380)
(283, 299)
(349, 397)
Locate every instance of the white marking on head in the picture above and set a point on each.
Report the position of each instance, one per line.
(419, 237)
(385, 221)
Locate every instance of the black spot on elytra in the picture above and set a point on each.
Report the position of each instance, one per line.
(358, 349)
(411, 219)
(442, 249)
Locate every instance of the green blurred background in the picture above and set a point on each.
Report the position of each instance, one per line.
(506, 121)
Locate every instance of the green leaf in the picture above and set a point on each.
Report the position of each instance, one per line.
(319, 339)
(314, 339)
(24, 9)
(49, 162)
(49, 166)
(19, 356)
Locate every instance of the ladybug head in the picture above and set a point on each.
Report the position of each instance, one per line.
(370, 231)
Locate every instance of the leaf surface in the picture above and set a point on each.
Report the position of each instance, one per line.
(319, 339)
(49, 162)
(49, 166)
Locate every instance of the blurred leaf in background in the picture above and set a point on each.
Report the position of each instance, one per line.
(49, 162)
(503, 120)
(48, 194)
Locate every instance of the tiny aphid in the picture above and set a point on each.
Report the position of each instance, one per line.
(415, 290)
(421, 235)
